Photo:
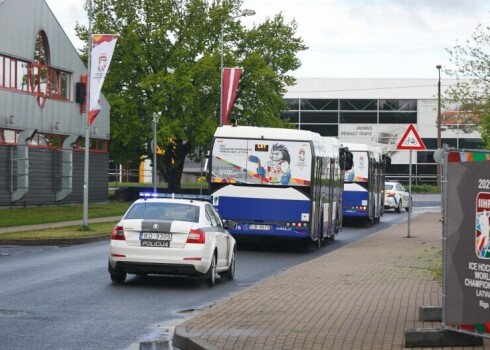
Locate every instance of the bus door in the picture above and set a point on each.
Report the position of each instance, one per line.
(331, 204)
(316, 219)
(372, 198)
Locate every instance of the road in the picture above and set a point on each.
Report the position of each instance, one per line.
(62, 298)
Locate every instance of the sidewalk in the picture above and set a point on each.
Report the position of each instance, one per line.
(362, 296)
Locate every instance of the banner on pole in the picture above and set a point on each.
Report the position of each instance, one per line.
(102, 49)
(466, 235)
(231, 77)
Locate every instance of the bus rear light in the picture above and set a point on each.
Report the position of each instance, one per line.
(193, 259)
(296, 224)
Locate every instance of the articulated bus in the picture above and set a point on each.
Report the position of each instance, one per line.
(364, 184)
(277, 183)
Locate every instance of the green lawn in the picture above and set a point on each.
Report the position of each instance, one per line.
(95, 229)
(45, 214)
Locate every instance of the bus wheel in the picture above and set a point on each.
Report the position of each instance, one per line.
(369, 222)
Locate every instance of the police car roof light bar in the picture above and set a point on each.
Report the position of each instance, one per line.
(175, 196)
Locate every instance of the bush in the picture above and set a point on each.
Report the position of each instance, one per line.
(424, 188)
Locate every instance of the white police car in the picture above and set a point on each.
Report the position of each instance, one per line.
(172, 237)
(396, 197)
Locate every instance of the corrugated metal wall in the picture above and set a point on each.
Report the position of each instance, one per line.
(20, 23)
(45, 177)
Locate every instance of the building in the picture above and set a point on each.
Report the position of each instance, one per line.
(42, 126)
(378, 112)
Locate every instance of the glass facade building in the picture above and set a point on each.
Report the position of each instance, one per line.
(378, 114)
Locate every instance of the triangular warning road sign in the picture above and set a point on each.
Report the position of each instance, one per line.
(411, 140)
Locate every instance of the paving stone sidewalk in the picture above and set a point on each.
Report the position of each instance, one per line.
(362, 296)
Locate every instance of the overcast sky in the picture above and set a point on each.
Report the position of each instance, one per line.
(355, 38)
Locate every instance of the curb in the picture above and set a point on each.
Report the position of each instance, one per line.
(183, 340)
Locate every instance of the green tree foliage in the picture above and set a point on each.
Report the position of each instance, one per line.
(471, 63)
(167, 61)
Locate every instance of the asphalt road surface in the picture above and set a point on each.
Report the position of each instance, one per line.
(62, 297)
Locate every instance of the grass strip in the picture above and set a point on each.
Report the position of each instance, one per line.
(95, 229)
(46, 214)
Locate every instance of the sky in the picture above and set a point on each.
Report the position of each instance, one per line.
(355, 38)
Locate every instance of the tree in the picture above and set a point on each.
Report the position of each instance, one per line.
(472, 72)
(167, 61)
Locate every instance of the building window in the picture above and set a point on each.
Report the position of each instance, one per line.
(322, 129)
(96, 145)
(2, 70)
(319, 105)
(398, 105)
(397, 117)
(359, 105)
(397, 111)
(40, 68)
(36, 77)
(290, 116)
(359, 117)
(293, 103)
(319, 117)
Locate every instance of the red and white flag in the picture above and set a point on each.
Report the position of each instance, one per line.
(102, 49)
(231, 76)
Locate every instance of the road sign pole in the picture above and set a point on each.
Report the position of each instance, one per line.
(409, 193)
(410, 141)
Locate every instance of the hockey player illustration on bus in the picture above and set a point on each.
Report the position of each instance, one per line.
(277, 169)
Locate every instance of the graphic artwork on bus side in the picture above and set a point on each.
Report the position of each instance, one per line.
(277, 170)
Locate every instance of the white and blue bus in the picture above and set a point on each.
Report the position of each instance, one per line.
(364, 184)
(282, 183)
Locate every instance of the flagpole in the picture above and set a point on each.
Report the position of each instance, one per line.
(87, 127)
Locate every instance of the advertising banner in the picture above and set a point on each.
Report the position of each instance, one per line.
(383, 136)
(102, 49)
(467, 235)
(261, 162)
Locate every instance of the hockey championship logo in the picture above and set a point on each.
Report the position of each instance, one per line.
(482, 232)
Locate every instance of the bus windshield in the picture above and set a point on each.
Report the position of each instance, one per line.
(261, 162)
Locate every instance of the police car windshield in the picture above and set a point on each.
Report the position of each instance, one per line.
(164, 211)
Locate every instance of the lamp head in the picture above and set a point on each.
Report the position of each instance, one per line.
(438, 66)
(248, 12)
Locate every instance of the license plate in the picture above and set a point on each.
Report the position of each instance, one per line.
(156, 236)
(260, 227)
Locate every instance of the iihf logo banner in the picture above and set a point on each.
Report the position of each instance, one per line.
(231, 77)
(102, 49)
(482, 237)
(466, 243)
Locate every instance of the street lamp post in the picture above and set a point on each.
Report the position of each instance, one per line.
(156, 116)
(439, 123)
(245, 12)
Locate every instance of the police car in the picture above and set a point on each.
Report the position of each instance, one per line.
(172, 236)
(396, 197)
